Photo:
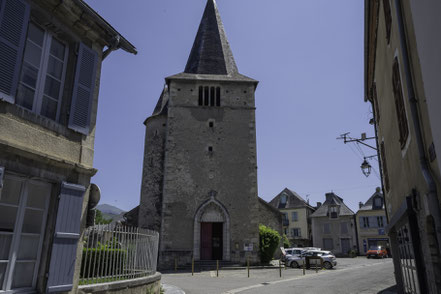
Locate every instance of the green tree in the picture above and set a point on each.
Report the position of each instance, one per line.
(100, 219)
(269, 240)
(286, 243)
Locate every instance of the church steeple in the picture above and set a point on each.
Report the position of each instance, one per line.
(211, 53)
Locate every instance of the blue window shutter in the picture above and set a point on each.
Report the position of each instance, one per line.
(14, 18)
(67, 234)
(384, 221)
(81, 108)
(360, 220)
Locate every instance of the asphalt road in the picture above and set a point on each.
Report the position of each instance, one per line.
(357, 275)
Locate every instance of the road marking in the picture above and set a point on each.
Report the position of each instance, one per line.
(238, 290)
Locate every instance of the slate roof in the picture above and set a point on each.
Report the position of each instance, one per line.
(294, 200)
(211, 57)
(369, 204)
(332, 199)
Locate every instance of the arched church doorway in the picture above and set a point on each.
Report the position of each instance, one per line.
(211, 232)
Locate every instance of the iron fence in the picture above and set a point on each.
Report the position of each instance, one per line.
(116, 252)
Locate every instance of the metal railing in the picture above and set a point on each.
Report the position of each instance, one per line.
(116, 252)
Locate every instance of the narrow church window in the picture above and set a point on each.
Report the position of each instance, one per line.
(211, 124)
(206, 94)
(212, 96)
(218, 94)
(201, 95)
(210, 148)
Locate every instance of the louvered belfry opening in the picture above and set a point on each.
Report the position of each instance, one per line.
(209, 96)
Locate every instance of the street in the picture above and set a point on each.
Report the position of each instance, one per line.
(352, 275)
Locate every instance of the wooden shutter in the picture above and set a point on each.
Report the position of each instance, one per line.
(384, 166)
(85, 76)
(14, 18)
(67, 234)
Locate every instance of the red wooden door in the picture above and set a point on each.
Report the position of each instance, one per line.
(206, 238)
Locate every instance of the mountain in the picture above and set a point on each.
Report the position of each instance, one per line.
(110, 211)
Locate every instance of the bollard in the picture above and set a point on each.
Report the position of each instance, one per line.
(304, 267)
(316, 266)
(192, 266)
(280, 268)
(217, 268)
(176, 264)
(248, 266)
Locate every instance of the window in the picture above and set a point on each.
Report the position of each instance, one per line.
(23, 211)
(365, 221)
(211, 124)
(328, 244)
(344, 228)
(399, 104)
(327, 228)
(283, 199)
(42, 73)
(380, 221)
(296, 232)
(209, 96)
(384, 167)
(388, 19)
(294, 216)
(210, 148)
(375, 103)
(333, 211)
(378, 203)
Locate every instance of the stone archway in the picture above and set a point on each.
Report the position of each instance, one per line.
(212, 211)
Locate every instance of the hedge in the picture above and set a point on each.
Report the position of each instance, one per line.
(101, 258)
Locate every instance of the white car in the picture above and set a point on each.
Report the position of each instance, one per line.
(289, 252)
(329, 260)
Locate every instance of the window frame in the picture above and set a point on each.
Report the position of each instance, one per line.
(43, 71)
(18, 231)
(296, 218)
(400, 105)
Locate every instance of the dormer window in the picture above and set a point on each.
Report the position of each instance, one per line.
(333, 211)
(209, 96)
(283, 199)
(378, 203)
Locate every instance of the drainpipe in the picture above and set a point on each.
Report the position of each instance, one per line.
(431, 196)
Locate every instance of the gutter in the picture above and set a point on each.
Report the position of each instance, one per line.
(431, 196)
(117, 41)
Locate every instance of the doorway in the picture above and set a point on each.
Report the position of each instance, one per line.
(345, 246)
(211, 240)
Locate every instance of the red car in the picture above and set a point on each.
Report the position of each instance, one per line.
(376, 251)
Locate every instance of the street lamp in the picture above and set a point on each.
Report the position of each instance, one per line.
(366, 168)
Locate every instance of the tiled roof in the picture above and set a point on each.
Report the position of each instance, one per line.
(332, 199)
(294, 200)
(369, 204)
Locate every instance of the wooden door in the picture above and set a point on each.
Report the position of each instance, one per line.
(206, 241)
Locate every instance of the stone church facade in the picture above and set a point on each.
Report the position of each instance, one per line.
(199, 183)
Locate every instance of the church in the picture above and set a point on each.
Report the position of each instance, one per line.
(199, 181)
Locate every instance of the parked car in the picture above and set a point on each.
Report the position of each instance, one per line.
(329, 260)
(291, 252)
(376, 252)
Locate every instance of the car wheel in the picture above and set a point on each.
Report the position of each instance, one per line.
(294, 264)
(327, 265)
(368, 256)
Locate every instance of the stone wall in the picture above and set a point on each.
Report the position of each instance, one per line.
(193, 173)
(146, 285)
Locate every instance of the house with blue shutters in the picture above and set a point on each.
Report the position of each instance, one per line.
(371, 223)
(50, 65)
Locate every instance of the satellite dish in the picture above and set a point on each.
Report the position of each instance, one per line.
(94, 195)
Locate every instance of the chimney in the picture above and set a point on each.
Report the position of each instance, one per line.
(329, 196)
(360, 204)
(319, 204)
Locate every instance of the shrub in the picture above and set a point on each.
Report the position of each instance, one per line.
(102, 257)
(269, 240)
(286, 243)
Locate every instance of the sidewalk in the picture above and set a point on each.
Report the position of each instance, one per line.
(170, 289)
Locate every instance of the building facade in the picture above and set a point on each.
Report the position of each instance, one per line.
(296, 217)
(199, 184)
(402, 73)
(50, 64)
(333, 226)
(371, 223)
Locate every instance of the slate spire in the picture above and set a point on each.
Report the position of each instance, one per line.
(211, 53)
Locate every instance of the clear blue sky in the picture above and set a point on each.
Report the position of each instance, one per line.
(308, 57)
